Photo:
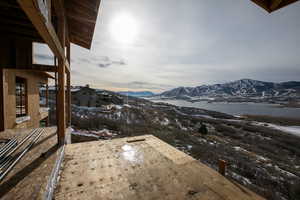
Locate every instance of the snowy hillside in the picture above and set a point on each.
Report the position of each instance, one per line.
(240, 88)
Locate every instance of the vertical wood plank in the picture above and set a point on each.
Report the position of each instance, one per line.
(2, 111)
(47, 103)
(69, 85)
(61, 108)
(69, 98)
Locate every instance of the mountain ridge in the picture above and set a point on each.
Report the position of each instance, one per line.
(239, 88)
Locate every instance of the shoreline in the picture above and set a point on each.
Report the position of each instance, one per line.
(239, 108)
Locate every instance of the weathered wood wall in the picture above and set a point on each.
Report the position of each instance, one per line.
(33, 79)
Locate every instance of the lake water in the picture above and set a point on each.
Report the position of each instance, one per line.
(240, 108)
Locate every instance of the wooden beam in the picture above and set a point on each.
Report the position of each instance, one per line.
(45, 68)
(69, 111)
(61, 106)
(2, 101)
(69, 51)
(34, 67)
(44, 27)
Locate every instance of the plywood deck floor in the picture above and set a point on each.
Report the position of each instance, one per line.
(29, 178)
(138, 168)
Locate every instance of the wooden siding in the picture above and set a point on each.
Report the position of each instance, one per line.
(32, 78)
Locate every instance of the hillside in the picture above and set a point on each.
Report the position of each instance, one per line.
(244, 88)
(251, 148)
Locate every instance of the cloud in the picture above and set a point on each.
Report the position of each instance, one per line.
(201, 47)
(147, 85)
(105, 62)
(43, 57)
(101, 61)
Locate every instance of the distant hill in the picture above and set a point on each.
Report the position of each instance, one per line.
(137, 94)
(239, 88)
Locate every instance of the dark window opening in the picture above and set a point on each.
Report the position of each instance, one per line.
(21, 97)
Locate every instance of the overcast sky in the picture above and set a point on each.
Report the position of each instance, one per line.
(188, 43)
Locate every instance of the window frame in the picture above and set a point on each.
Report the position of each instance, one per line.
(21, 92)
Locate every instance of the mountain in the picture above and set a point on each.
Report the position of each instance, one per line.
(239, 88)
(137, 94)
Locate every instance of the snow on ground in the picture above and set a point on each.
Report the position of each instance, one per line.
(165, 122)
(295, 130)
(83, 133)
(258, 157)
(97, 134)
(204, 116)
(241, 178)
(284, 172)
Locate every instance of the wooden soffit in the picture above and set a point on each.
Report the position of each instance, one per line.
(82, 17)
(272, 5)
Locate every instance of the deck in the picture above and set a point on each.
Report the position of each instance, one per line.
(29, 178)
(141, 167)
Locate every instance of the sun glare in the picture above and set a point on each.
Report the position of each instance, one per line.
(123, 28)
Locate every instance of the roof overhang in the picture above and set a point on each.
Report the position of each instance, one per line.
(82, 17)
(272, 5)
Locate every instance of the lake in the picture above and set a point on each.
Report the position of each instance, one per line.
(240, 108)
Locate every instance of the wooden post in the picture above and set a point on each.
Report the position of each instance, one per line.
(222, 167)
(56, 93)
(69, 87)
(47, 95)
(47, 103)
(2, 106)
(61, 108)
(69, 98)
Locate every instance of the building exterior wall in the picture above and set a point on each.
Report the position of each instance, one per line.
(33, 101)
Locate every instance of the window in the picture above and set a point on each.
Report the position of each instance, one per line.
(42, 54)
(21, 97)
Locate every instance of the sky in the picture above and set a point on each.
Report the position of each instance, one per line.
(157, 45)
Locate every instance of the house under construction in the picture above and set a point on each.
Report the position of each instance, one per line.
(33, 155)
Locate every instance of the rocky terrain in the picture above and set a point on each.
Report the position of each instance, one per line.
(260, 154)
(244, 90)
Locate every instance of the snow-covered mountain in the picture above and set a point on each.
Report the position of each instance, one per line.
(240, 88)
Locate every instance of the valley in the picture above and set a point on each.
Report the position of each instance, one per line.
(250, 145)
(285, 94)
